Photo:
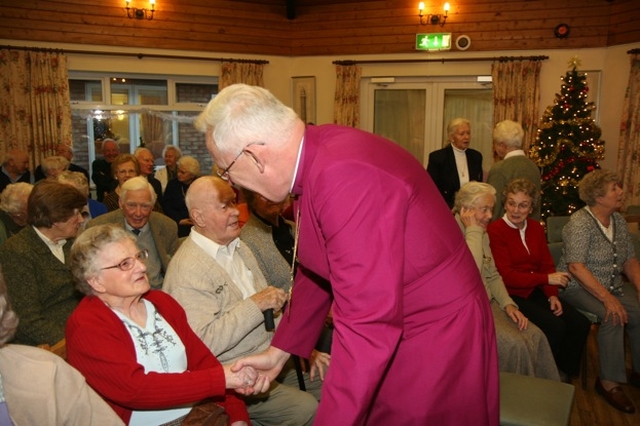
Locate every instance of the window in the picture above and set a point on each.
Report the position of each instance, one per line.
(414, 112)
(138, 110)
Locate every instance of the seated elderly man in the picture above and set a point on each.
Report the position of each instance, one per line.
(13, 209)
(218, 281)
(52, 166)
(155, 232)
(15, 168)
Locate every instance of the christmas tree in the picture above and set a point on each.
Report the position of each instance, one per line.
(567, 146)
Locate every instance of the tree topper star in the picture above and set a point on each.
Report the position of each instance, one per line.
(575, 62)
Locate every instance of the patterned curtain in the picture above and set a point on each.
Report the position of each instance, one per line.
(516, 95)
(241, 72)
(35, 112)
(629, 145)
(346, 104)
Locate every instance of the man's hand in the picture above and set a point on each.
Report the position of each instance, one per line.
(319, 362)
(268, 363)
(270, 298)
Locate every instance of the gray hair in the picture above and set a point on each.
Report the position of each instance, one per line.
(510, 133)
(594, 185)
(455, 123)
(190, 164)
(141, 149)
(241, 114)
(76, 179)
(470, 193)
(177, 150)
(87, 248)
(55, 162)
(135, 184)
(14, 197)
(8, 318)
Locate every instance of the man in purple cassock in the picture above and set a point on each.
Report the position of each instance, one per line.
(414, 340)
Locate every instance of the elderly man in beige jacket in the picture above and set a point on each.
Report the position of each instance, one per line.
(217, 280)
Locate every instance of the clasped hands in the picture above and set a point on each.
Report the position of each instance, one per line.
(245, 380)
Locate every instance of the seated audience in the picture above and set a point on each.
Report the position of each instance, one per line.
(173, 204)
(508, 137)
(147, 166)
(52, 166)
(522, 256)
(598, 251)
(218, 282)
(93, 208)
(171, 154)
(15, 168)
(522, 347)
(35, 263)
(134, 346)
(154, 231)
(67, 152)
(455, 164)
(102, 174)
(13, 209)
(38, 387)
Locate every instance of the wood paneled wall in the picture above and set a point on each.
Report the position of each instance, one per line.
(320, 27)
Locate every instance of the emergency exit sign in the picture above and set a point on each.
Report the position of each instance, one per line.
(433, 41)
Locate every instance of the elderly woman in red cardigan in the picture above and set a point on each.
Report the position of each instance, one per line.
(134, 345)
(519, 246)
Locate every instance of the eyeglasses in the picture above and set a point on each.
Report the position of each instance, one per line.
(224, 175)
(127, 264)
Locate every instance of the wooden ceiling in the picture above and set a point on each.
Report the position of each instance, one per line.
(320, 27)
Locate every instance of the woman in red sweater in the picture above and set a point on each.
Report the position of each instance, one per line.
(134, 346)
(519, 246)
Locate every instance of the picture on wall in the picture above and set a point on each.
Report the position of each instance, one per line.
(304, 98)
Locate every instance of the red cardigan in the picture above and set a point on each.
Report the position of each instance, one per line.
(100, 347)
(522, 271)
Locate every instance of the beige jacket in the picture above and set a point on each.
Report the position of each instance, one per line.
(40, 388)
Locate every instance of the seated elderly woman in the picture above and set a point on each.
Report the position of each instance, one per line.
(598, 251)
(39, 387)
(53, 166)
(35, 267)
(13, 209)
(522, 256)
(134, 345)
(173, 203)
(79, 181)
(522, 347)
(123, 168)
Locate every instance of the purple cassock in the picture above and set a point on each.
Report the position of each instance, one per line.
(414, 340)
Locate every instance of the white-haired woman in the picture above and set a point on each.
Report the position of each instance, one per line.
(135, 346)
(173, 203)
(171, 155)
(53, 166)
(522, 347)
(13, 209)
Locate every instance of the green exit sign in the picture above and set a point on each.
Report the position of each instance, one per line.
(433, 41)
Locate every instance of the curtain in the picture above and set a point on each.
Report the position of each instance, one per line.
(241, 72)
(629, 145)
(346, 105)
(516, 95)
(35, 112)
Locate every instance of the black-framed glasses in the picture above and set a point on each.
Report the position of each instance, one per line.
(127, 264)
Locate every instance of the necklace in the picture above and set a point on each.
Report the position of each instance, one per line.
(293, 262)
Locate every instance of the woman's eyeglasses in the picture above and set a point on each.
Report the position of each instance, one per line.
(127, 264)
